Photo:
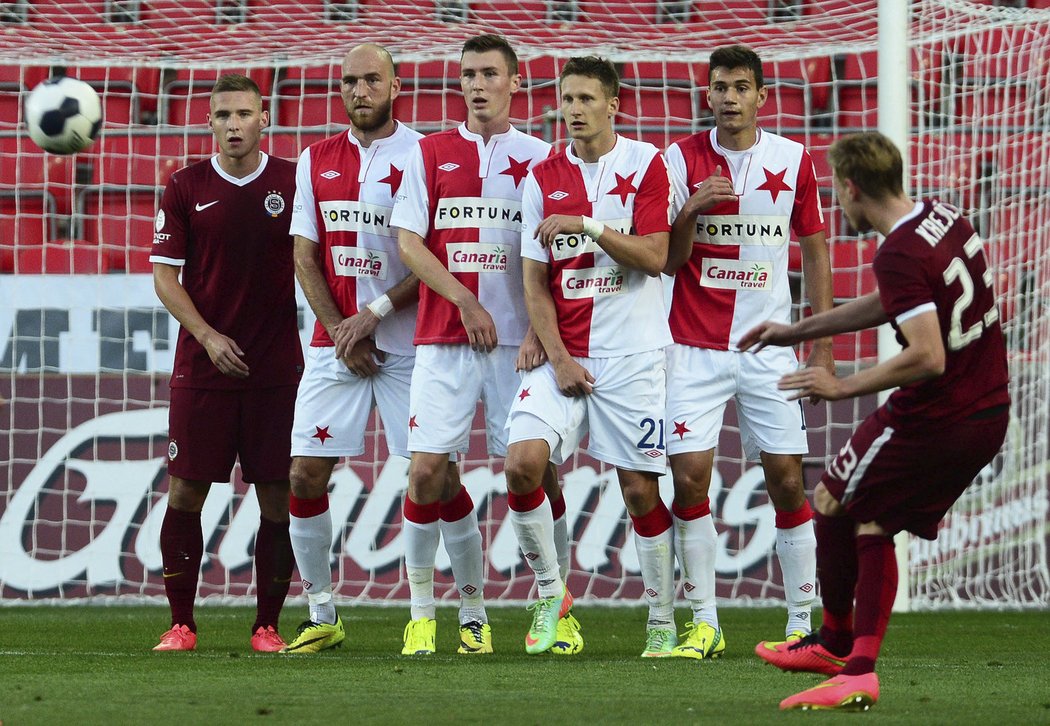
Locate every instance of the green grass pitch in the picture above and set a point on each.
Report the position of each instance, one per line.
(88, 665)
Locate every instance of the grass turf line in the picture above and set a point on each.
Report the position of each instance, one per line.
(91, 665)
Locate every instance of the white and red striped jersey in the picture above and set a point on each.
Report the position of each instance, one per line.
(344, 194)
(737, 276)
(463, 197)
(604, 308)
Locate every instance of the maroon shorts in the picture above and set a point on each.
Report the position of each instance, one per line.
(907, 478)
(209, 428)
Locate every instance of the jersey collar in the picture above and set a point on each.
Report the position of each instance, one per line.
(243, 181)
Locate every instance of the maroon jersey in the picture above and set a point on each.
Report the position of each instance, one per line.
(934, 261)
(230, 236)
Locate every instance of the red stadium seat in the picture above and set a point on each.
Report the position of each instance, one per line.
(27, 219)
(851, 271)
(119, 219)
(62, 257)
(148, 159)
(26, 167)
(308, 97)
(289, 144)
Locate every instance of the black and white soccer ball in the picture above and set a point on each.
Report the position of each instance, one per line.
(63, 114)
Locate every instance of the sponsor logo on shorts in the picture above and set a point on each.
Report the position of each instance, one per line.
(477, 257)
(359, 262)
(477, 213)
(274, 204)
(348, 215)
(743, 229)
(173, 450)
(592, 282)
(737, 274)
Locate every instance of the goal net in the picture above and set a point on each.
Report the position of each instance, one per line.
(86, 347)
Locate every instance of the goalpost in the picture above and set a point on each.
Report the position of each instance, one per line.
(84, 357)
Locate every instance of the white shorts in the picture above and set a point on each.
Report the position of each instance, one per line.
(699, 384)
(333, 405)
(447, 382)
(623, 414)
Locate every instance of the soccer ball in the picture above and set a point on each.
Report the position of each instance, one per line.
(64, 115)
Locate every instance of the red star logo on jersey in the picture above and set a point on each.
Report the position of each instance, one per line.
(524, 394)
(774, 184)
(517, 169)
(322, 434)
(680, 430)
(412, 423)
(623, 187)
(393, 179)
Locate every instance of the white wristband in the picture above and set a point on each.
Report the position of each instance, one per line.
(592, 228)
(381, 306)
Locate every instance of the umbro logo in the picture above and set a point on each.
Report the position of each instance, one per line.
(558, 195)
(653, 454)
(689, 587)
(652, 593)
(331, 174)
(469, 589)
(807, 588)
(449, 167)
(531, 556)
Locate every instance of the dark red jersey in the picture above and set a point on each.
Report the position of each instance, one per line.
(230, 236)
(933, 260)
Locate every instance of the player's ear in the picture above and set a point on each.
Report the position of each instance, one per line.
(763, 94)
(614, 106)
(515, 82)
(395, 88)
(265, 115)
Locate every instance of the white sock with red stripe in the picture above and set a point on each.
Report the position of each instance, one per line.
(534, 524)
(310, 530)
(655, 542)
(695, 541)
(462, 538)
(797, 552)
(421, 535)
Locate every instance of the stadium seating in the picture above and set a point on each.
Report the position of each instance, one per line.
(27, 219)
(186, 93)
(119, 219)
(62, 257)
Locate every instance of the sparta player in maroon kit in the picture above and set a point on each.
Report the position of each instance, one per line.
(223, 226)
(910, 460)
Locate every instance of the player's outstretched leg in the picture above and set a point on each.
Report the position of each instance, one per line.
(802, 655)
(847, 693)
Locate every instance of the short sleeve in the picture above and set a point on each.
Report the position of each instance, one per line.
(531, 216)
(679, 181)
(652, 201)
(304, 208)
(412, 205)
(807, 217)
(902, 281)
(170, 226)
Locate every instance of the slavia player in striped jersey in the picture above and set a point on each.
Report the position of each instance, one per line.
(910, 460)
(596, 225)
(459, 214)
(222, 265)
(739, 193)
(361, 354)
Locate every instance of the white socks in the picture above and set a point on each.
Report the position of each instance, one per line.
(421, 543)
(312, 542)
(535, 530)
(797, 552)
(463, 543)
(656, 558)
(695, 542)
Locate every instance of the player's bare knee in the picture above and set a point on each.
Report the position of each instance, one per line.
(309, 477)
(427, 476)
(825, 503)
(186, 495)
(523, 472)
(640, 494)
(691, 485)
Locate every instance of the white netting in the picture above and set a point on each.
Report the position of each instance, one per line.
(84, 357)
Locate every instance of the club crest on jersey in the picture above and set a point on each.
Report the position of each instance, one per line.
(736, 274)
(591, 282)
(158, 224)
(274, 204)
(173, 450)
